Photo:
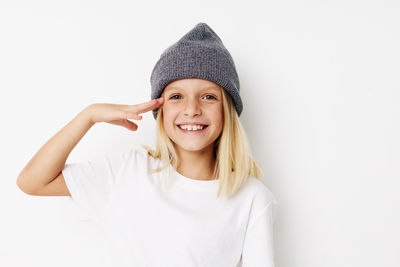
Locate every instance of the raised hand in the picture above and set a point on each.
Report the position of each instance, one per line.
(119, 114)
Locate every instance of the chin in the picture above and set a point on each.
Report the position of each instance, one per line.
(192, 148)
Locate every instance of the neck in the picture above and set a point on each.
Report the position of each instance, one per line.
(197, 165)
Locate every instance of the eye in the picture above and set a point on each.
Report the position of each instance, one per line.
(173, 97)
(213, 97)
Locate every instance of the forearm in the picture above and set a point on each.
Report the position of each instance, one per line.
(50, 160)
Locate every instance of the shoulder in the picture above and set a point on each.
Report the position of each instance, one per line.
(134, 151)
(138, 155)
(263, 201)
(262, 195)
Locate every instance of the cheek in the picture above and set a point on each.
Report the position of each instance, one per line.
(221, 119)
(167, 112)
(169, 117)
(219, 114)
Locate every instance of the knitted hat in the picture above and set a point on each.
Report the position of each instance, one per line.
(200, 53)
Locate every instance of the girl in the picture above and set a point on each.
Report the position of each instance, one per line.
(197, 199)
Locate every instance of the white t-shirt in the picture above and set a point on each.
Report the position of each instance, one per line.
(189, 226)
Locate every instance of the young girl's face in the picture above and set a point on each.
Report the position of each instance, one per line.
(188, 102)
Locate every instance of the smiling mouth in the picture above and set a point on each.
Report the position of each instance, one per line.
(193, 131)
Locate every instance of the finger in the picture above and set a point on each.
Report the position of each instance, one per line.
(134, 116)
(150, 105)
(130, 125)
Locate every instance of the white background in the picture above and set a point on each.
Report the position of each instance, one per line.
(320, 86)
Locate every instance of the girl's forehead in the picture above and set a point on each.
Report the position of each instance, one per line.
(216, 88)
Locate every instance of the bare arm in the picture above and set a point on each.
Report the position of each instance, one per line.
(43, 173)
(49, 161)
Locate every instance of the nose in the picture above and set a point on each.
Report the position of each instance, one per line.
(192, 108)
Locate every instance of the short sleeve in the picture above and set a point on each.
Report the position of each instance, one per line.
(91, 182)
(258, 249)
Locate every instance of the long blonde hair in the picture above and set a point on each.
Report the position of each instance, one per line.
(231, 149)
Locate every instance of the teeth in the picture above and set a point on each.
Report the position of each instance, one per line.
(192, 127)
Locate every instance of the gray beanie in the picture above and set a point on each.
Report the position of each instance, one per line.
(200, 53)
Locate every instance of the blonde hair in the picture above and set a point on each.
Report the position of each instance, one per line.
(231, 149)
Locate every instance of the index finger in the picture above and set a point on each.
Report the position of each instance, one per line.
(150, 105)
